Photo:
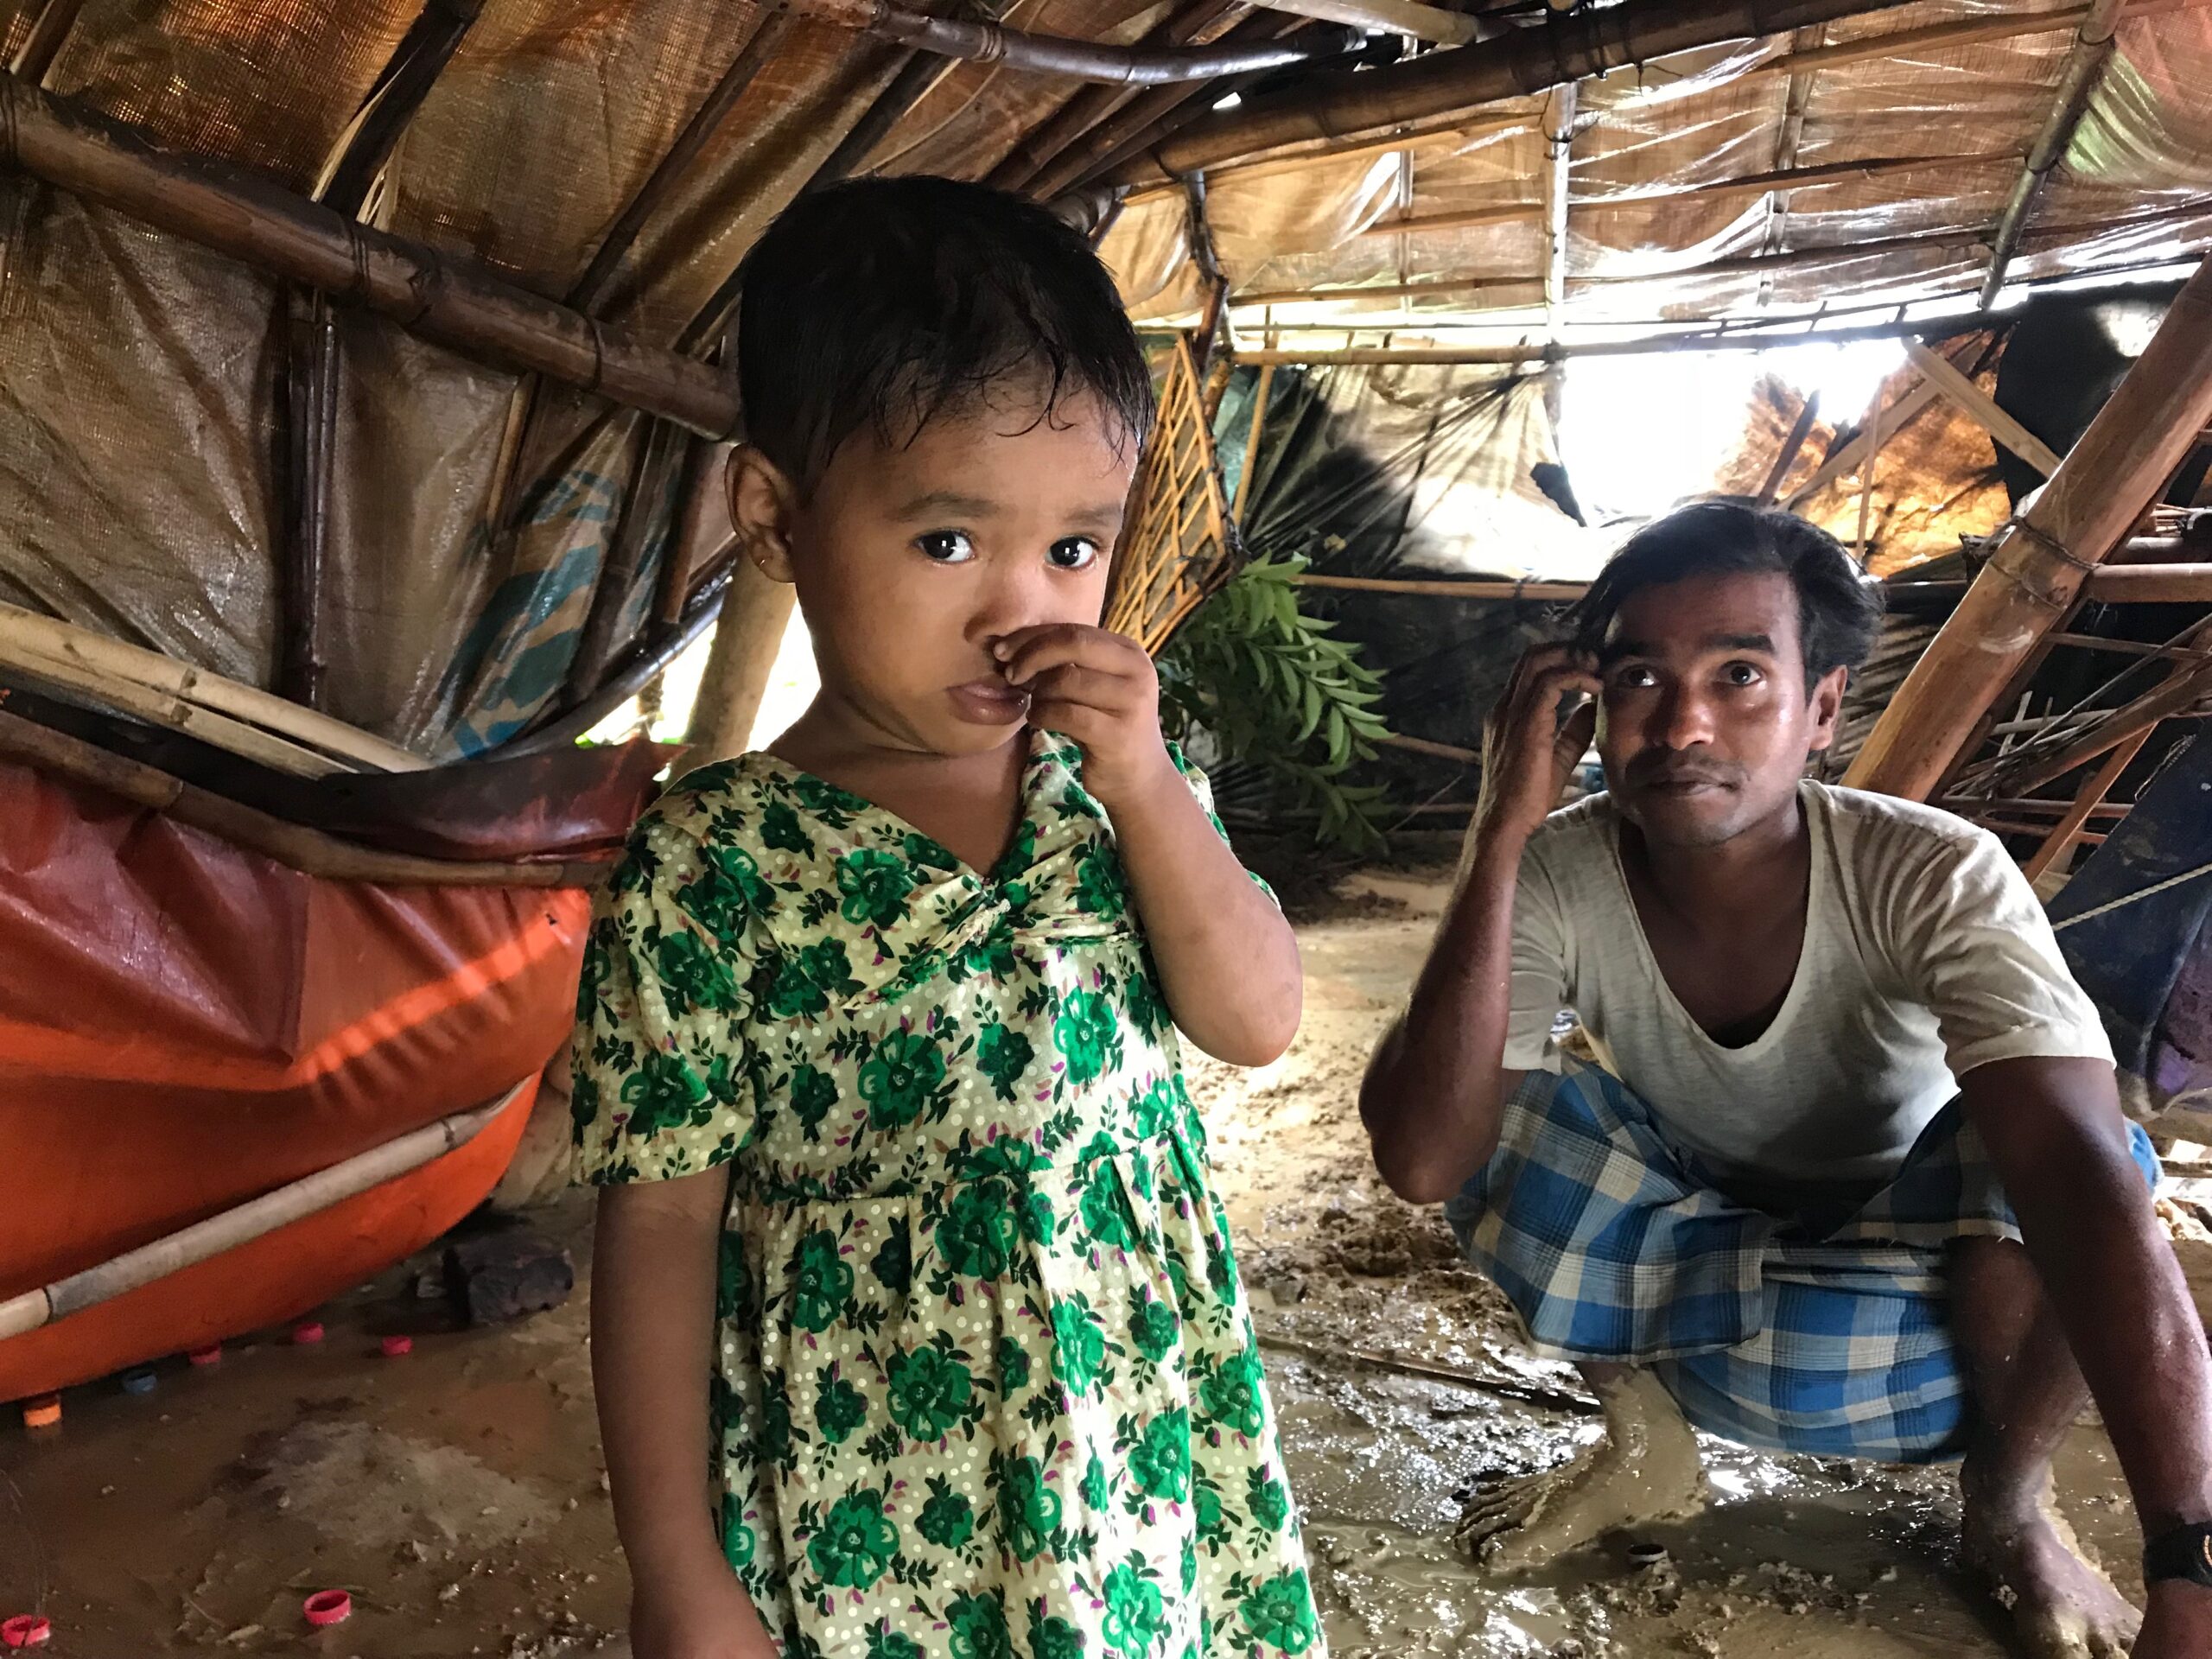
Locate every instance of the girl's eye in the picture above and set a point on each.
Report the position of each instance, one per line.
(946, 547)
(1075, 553)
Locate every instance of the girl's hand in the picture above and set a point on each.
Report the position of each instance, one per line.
(1101, 689)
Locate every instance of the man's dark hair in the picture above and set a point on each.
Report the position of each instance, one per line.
(1839, 611)
(884, 303)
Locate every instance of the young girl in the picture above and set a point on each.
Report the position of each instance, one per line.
(906, 1238)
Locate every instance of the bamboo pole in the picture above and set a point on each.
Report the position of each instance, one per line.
(1521, 63)
(308, 851)
(1152, 115)
(428, 293)
(1761, 339)
(1792, 443)
(2153, 584)
(2077, 84)
(2038, 566)
(1422, 746)
(1415, 136)
(414, 67)
(25, 635)
(1472, 588)
(1122, 66)
(1983, 409)
(2075, 818)
(1431, 23)
(1874, 437)
(2174, 695)
(1252, 440)
(1092, 104)
(256, 1218)
(1559, 145)
(698, 132)
(43, 44)
(755, 619)
(630, 674)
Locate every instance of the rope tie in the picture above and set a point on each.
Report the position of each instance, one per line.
(2127, 899)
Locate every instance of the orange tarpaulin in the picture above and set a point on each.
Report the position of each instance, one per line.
(185, 1025)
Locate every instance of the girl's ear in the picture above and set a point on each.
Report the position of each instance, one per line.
(761, 506)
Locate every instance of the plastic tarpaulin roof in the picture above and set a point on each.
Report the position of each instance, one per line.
(143, 382)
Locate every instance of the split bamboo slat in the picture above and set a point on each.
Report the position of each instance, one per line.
(2041, 561)
(1983, 409)
(1178, 550)
(2075, 819)
(243, 718)
(256, 1218)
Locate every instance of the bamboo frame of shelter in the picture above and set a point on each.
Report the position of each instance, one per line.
(1181, 546)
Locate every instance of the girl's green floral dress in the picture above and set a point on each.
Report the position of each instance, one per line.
(987, 1384)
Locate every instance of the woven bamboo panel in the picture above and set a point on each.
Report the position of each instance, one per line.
(1179, 548)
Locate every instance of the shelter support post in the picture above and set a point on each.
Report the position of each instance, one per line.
(2042, 559)
(754, 617)
(428, 293)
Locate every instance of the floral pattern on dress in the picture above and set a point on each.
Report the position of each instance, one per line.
(988, 1384)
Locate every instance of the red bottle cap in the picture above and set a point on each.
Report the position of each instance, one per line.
(328, 1607)
(307, 1332)
(395, 1346)
(210, 1355)
(26, 1630)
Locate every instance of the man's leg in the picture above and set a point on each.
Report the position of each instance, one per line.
(1645, 1469)
(2027, 1392)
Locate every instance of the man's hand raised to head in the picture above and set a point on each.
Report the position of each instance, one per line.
(1528, 753)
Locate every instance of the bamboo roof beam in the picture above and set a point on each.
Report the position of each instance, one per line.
(1520, 64)
(1558, 147)
(2077, 84)
(2039, 561)
(1744, 340)
(1782, 181)
(43, 44)
(431, 295)
(1983, 409)
(1431, 23)
(1092, 104)
(706, 120)
(1122, 66)
(406, 80)
(1787, 140)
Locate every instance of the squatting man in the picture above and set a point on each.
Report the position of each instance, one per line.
(1851, 1176)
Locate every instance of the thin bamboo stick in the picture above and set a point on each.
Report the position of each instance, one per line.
(43, 44)
(1746, 339)
(1983, 409)
(1252, 440)
(633, 673)
(2174, 695)
(2077, 83)
(24, 634)
(256, 1218)
(1792, 443)
(2036, 568)
(1123, 65)
(1520, 64)
(1092, 104)
(2071, 822)
(1422, 746)
(1406, 136)
(426, 293)
(1431, 23)
(698, 132)
(414, 67)
(308, 851)
(1447, 589)
(1866, 476)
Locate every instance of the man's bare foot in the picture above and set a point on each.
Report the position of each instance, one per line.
(2062, 1607)
(1646, 1469)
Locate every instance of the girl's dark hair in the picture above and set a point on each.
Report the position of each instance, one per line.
(1838, 610)
(882, 303)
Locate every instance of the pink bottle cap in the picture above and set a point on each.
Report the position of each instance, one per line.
(210, 1355)
(307, 1332)
(328, 1607)
(395, 1346)
(26, 1630)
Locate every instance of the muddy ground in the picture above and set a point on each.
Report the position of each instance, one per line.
(457, 1492)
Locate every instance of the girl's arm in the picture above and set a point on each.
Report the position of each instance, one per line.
(652, 1329)
(1228, 960)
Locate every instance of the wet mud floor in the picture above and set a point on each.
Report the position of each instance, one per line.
(458, 1494)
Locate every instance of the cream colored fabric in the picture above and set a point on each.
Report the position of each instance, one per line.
(1926, 954)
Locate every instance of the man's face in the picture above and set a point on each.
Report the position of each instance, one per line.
(1705, 724)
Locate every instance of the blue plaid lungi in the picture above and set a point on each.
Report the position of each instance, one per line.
(1823, 1333)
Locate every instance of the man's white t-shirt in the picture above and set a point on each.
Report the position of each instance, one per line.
(1926, 954)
